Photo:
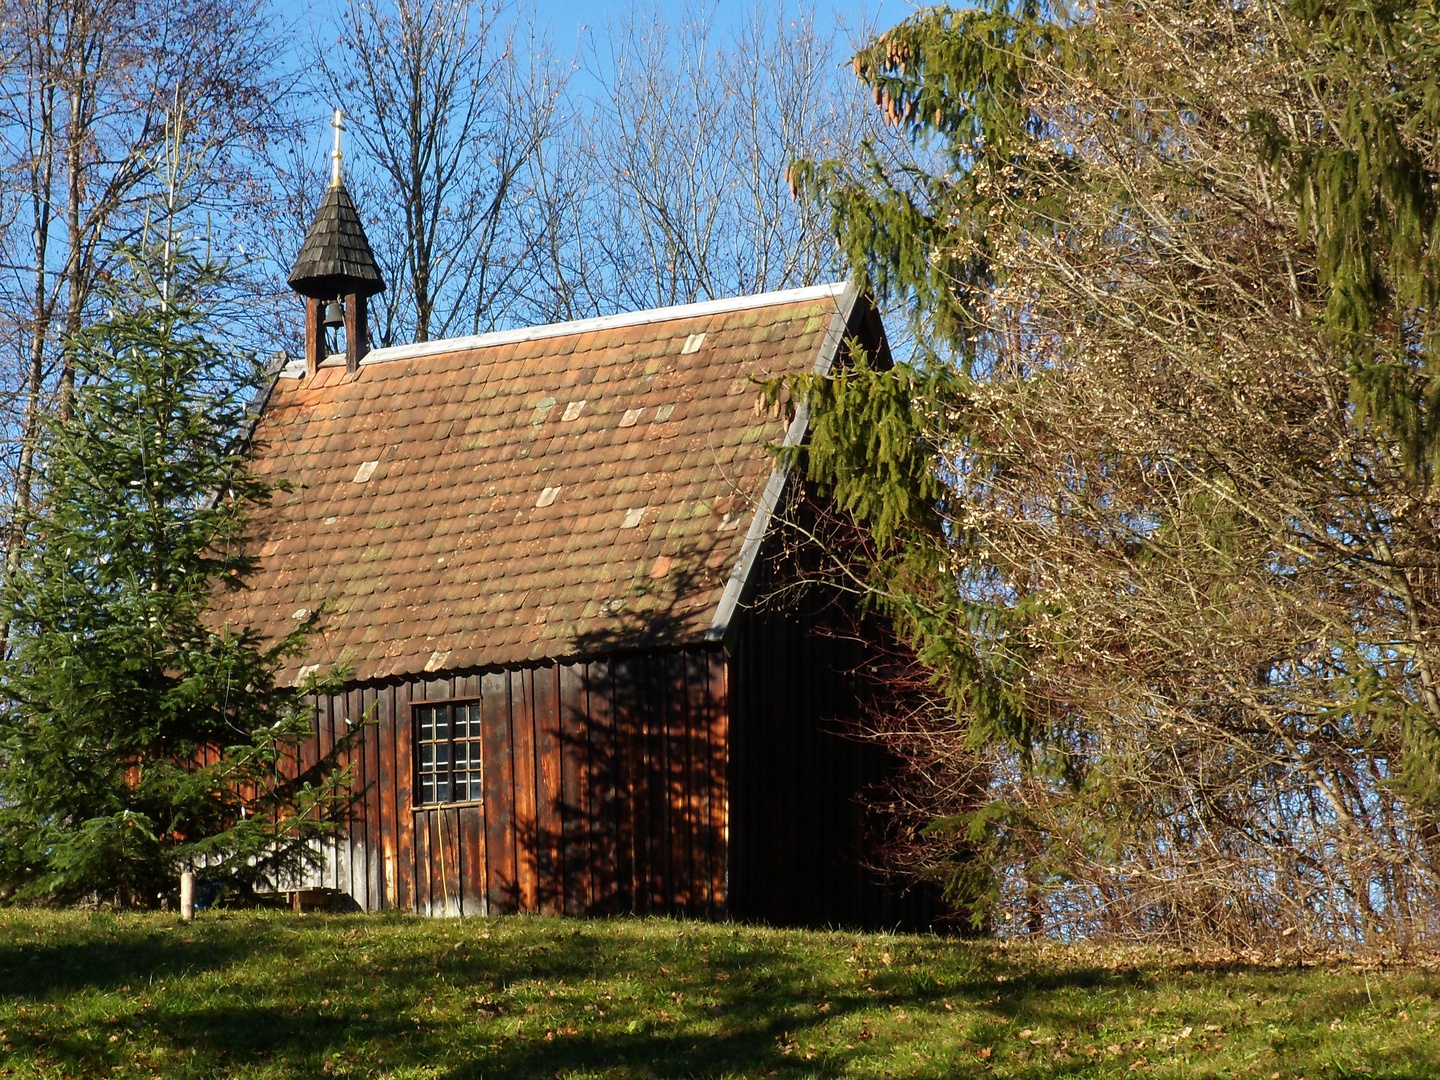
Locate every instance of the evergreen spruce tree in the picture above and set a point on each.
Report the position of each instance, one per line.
(1363, 167)
(138, 736)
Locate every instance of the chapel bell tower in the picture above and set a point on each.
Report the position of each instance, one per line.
(336, 273)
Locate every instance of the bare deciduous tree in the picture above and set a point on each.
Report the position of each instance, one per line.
(90, 96)
(674, 170)
(450, 105)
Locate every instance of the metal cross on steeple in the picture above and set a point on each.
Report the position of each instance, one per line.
(338, 123)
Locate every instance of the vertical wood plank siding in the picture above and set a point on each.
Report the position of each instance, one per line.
(605, 791)
(800, 840)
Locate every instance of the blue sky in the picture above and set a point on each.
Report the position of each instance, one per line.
(569, 22)
(569, 18)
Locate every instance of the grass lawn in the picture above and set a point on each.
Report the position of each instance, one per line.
(279, 995)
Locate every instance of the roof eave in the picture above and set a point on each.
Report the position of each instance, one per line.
(741, 583)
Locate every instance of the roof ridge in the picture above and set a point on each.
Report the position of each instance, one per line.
(603, 322)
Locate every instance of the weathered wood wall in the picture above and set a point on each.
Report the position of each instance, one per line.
(624, 786)
(604, 782)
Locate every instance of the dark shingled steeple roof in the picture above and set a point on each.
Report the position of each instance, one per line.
(336, 259)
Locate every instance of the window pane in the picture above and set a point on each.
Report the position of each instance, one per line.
(448, 753)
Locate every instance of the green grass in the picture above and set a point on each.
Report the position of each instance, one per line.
(277, 995)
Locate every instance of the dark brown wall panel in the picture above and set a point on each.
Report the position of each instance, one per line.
(373, 706)
(605, 799)
(658, 691)
(577, 854)
(702, 781)
(399, 697)
(522, 740)
(345, 868)
(442, 862)
(451, 868)
(500, 883)
(800, 837)
(472, 860)
(308, 752)
(429, 870)
(420, 831)
(679, 822)
(549, 816)
(324, 738)
(371, 770)
(630, 790)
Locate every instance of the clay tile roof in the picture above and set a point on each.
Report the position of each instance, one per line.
(557, 491)
(336, 258)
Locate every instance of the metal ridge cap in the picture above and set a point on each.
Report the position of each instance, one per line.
(604, 322)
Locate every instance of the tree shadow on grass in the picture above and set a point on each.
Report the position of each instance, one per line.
(42, 969)
(702, 1002)
(744, 1013)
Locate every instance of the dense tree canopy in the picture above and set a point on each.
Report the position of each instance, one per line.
(1155, 502)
